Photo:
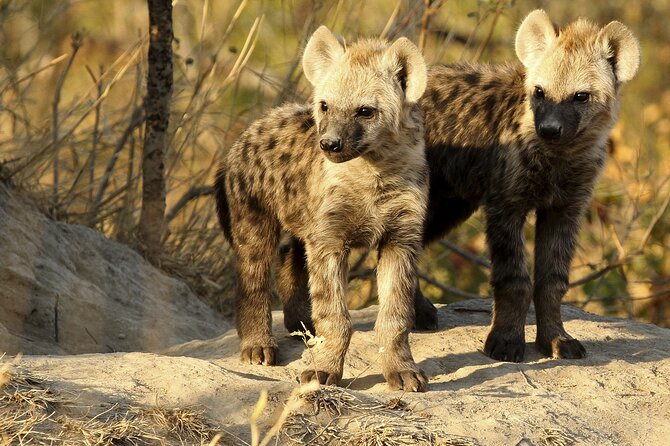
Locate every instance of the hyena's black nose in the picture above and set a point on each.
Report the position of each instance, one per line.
(550, 130)
(330, 145)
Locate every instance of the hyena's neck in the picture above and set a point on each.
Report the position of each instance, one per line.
(539, 175)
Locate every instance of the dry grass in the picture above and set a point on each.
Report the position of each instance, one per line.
(330, 415)
(335, 416)
(33, 413)
(556, 437)
(71, 126)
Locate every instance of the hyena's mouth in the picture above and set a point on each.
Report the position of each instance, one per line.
(346, 155)
(562, 144)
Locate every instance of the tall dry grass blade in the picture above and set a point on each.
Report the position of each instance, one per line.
(292, 404)
(31, 159)
(255, 415)
(391, 19)
(96, 131)
(247, 50)
(34, 73)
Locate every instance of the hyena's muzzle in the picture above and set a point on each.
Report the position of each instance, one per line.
(557, 122)
(342, 139)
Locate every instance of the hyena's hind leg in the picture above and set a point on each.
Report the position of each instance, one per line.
(425, 313)
(255, 236)
(293, 290)
(293, 287)
(444, 214)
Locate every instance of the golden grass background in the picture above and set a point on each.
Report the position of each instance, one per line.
(72, 78)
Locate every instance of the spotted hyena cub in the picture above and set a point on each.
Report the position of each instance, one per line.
(518, 139)
(347, 171)
(521, 138)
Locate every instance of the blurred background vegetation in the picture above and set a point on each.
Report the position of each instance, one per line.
(72, 80)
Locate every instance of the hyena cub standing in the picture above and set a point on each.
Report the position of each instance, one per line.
(349, 171)
(517, 139)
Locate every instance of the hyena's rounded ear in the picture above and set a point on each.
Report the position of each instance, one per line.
(322, 50)
(535, 34)
(406, 61)
(622, 50)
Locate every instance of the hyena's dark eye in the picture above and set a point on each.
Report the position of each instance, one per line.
(324, 107)
(365, 112)
(539, 93)
(582, 96)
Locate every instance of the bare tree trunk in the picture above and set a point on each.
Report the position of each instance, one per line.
(157, 117)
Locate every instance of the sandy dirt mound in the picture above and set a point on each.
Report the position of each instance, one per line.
(618, 395)
(68, 289)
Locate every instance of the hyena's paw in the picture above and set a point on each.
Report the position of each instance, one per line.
(426, 314)
(259, 354)
(325, 378)
(560, 345)
(407, 380)
(504, 344)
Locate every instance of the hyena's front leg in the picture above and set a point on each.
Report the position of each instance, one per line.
(293, 290)
(510, 282)
(327, 281)
(254, 246)
(555, 237)
(396, 278)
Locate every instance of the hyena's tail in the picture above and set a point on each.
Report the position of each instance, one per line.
(222, 209)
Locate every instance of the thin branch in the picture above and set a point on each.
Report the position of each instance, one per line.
(615, 298)
(29, 160)
(359, 262)
(191, 194)
(391, 19)
(361, 274)
(430, 8)
(599, 273)
(447, 288)
(76, 44)
(466, 254)
(135, 121)
(485, 42)
(654, 221)
(96, 131)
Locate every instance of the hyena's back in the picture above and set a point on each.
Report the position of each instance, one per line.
(469, 110)
(266, 165)
(475, 104)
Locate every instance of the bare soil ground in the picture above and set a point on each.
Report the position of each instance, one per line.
(115, 352)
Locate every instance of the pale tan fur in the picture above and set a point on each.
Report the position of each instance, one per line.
(371, 191)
